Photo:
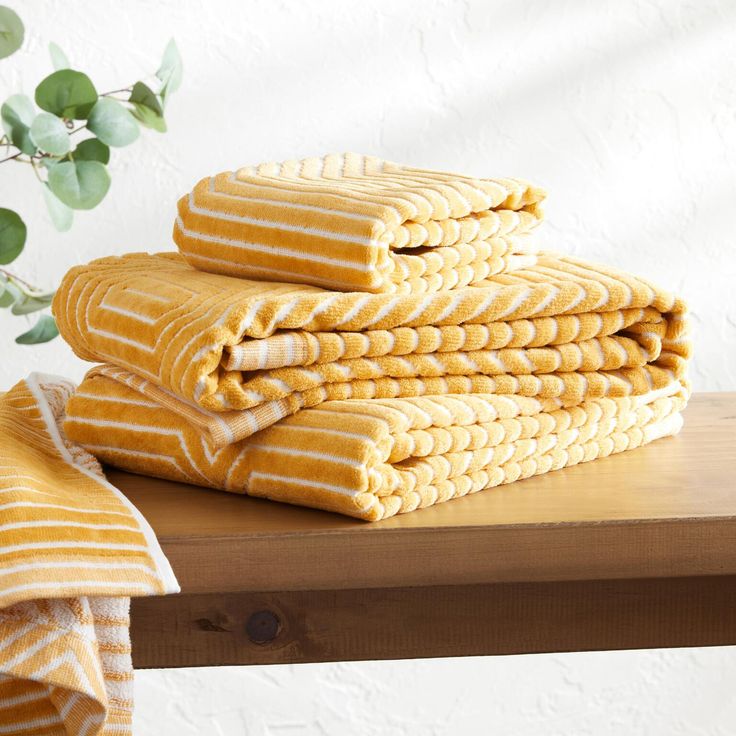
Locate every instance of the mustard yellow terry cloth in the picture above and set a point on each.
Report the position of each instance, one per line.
(72, 551)
(370, 459)
(357, 223)
(245, 354)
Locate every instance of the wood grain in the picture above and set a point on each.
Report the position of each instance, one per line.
(665, 510)
(441, 621)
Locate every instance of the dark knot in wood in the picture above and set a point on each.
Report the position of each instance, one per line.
(262, 627)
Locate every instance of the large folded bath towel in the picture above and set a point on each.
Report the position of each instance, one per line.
(72, 552)
(369, 459)
(357, 223)
(245, 354)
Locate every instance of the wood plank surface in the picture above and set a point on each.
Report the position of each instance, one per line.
(441, 621)
(665, 510)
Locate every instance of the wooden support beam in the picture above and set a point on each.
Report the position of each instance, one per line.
(437, 621)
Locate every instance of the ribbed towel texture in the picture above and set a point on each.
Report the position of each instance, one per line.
(231, 365)
(248, 353)
(357, 223)
(368, 458)
(72, 552)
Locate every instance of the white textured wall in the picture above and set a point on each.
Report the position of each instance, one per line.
(625, 110)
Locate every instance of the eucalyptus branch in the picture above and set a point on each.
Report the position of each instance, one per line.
(72, 172)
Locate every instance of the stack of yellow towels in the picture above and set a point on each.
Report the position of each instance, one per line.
(354, 335)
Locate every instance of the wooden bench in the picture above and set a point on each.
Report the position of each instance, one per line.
(631, 551)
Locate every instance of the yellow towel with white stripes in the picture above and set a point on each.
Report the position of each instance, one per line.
(371, 458)
(72, 551)
(357, 223)
(240, 355)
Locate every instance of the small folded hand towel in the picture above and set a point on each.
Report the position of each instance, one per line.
(357, 223)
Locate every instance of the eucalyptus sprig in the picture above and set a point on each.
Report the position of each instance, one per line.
(67, 146)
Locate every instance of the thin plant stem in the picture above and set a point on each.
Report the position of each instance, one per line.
(10, 275)
(35, 171)
(115, 91)
(10, 158)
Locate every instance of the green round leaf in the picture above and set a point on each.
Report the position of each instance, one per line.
(142, 94)
(61, 215)
(43, 331)
(12, 235)
(147, 117)
(170, 71)
(67, 94)
(27, 304)
(112, 123)
(80, 185)
(50, 134)
(58, 57)
(92, 149)
(148, 109)
(11, 32)
(17, 114)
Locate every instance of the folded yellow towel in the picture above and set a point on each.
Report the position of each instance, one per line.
(369, 459)
(72, 551)
(357, 223)
(245, 354)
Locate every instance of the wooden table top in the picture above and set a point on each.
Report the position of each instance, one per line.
(664, 510)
